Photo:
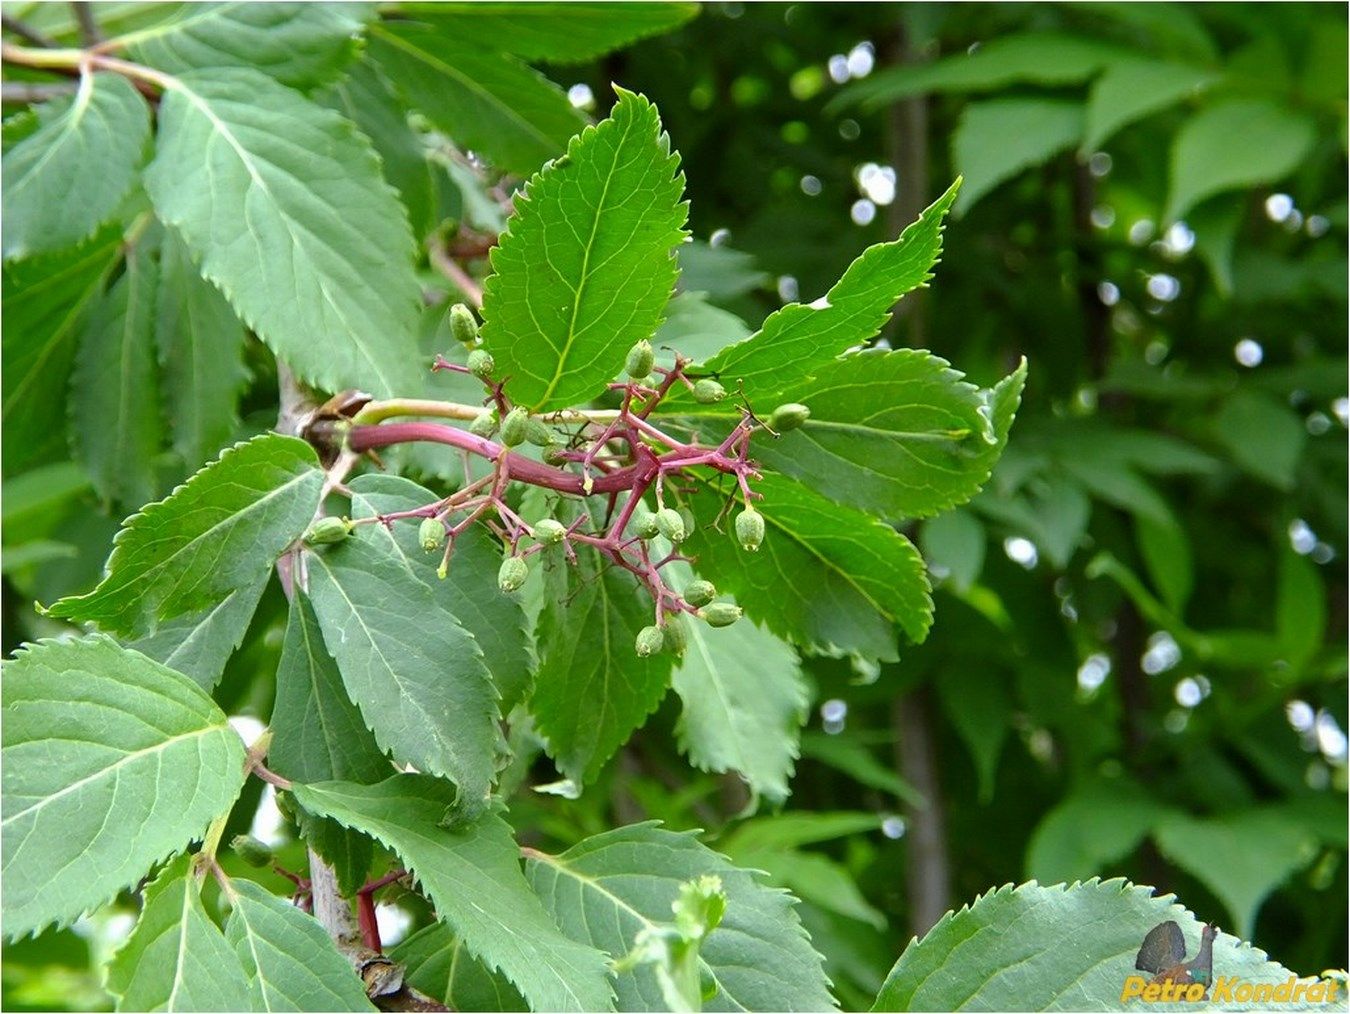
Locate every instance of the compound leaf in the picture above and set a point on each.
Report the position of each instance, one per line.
(100, 742)
(587, 266)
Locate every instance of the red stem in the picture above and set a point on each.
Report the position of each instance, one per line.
(370, 929)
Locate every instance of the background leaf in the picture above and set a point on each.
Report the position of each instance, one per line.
(282, 204)
(485, 100)
(98, 739)
(998, 138)
(586, 267)
(68, 177)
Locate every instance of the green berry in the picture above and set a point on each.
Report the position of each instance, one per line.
(707, 391)
(555, 456)
(512, 574)
(640, 361)
(251, 851)
(514, 427)
(539, 434)
(431, 534)
(677, 639)
(549, 532)
(750, 529)
(670, 524)
(644, 524)
(719, 614)
(687, 516)
(481, 364)
(649, 641)
(462, 324)
(788, 417)
(484, 424)
(326, 531)
(700, 592)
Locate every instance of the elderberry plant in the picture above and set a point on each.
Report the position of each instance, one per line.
(616, 511)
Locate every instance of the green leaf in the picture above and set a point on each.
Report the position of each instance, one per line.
(317, 732)
(1300, 609)
(897, 433)
(608, 888)
(586, 267)
(484, 100)
(816, 879)
(1045, 58)
(1233, 145)
(470, 593)
(1072, 949)
(472, 874)
(282, 204)
(853, 758)
(217, 533)
(592, 689)
(115, 415)
(98, 740)
(828, 577)
(201, 347)
(45, 299)
(954, 543)
(1167, 555)
(1241, 856)
(785, 831)
(290, 961)
(296, 44)
(436, 962)
(176, 959)
(368, 100)
(68, 177)
(1130, 90)
(997, 138)
(555, 32)
(1264, 437)
(1091, 829)
(744, 702)
(979, 703)
(799, 338)
(416, 674)
(198, 644)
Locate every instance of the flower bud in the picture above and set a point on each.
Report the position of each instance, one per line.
(549, 532)
(719, 614)
(649, 641)
(484, 424)
(514, 427)
(677, 638)
(251, 851)
(788, 417)
(750, 529)
(481, 364)
(512, 574)
(700, 592)
(640, 360)
(431, 534)
(326, 531)
(708, 391)
(670, 524)
(539, 434)
(462, 324)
